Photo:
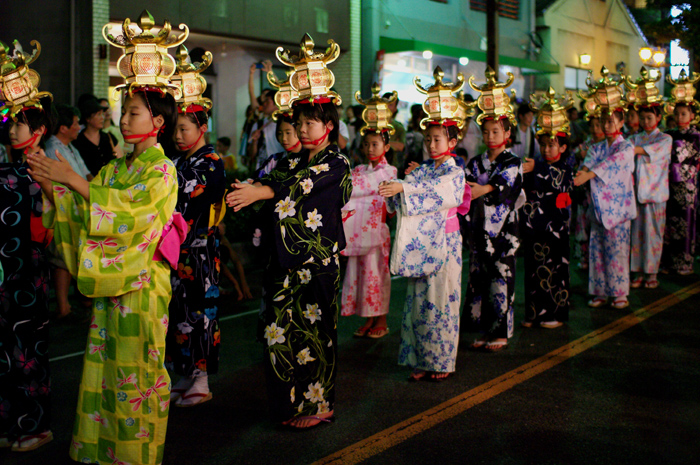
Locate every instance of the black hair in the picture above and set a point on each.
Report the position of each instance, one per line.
(650, 109)
(266, 93)
(162, 105)
(561, 141)
(571, 110)
(197, 118)
(384, 135)
(323, 112)
(64, 116)
(688, 106)
(524, 109)
(35, 118)
(89, 107)
(111, 121)
(283, 118)
(388, 95)
(224, 140)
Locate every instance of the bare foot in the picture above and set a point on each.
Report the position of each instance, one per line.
(310, 421)
(417, 375)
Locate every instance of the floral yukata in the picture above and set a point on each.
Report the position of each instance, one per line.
(545, 235)
(367, 284)
(493, 224)
(194, 336)
(302, 281)
(613, 206)
(581, 199)
(108, 244)
(651, 175)
(679, 238)
(428, 250)
(25, 407)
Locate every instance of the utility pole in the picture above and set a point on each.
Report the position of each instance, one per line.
(492, 35)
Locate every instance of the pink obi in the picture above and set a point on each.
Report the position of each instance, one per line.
(172, 237)
(452, 223)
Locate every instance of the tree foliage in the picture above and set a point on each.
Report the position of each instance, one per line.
(660, 28)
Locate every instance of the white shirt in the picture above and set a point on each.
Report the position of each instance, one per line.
(269, 133)
(523, 142)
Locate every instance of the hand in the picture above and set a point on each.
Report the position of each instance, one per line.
(246, 291)
(390, 189)
(245, 194)
(478, 190)
(253, 67)
(44, 167)
(411, 166)
(255, 135)
(583, 177)
(267, 66)
(528, 165)
(638, 150)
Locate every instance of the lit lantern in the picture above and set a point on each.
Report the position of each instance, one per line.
(19, 84)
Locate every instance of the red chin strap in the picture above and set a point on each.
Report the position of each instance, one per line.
(443, 154)
(651, 128)
(614, 134)
(502, 144)
(634, 126)
(599, 135)
(318, 141)
(185, 148)
(683, 126)
(26, 145)
(289, 149)
(378, 157)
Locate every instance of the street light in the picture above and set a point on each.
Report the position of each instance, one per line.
(584, 59)
(464, 61)
(645, 54)
(653, 57)
(427, 54)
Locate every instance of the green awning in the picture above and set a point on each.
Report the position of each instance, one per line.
(390, 45)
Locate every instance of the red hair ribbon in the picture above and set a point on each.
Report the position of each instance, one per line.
(319, 99)
(192, 109)
(447, 122)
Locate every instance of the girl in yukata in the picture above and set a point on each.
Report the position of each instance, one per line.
(305, 193)
(109, 233)
(653, 154)
(581, 195)
(681, 209)
(496, 179)
(608, 167)
(428, 244)
(367, 284)
(194, 335)
(25, 388)
(545, 221)
(287, 137)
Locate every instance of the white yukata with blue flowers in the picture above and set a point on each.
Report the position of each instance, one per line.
(432, 259)
(613, 206)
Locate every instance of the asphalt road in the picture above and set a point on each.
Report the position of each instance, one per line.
(612, 386)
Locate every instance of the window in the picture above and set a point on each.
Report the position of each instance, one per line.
(575, 78)
(506, 8)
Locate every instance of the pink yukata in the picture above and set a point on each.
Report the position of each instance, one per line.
(367, 284)
(651, 175)
(613, 206)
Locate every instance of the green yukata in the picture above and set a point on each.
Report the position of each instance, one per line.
(108, 245)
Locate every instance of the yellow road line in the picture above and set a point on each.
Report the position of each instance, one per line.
(405, 430)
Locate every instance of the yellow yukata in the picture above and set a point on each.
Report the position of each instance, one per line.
(108, 244)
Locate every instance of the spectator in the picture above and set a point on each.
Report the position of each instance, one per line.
(110, 128)
(395, 156)
(95, 147)
(263, 138)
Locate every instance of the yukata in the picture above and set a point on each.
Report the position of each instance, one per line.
(613, 207)
(302, 281)
(428, 250)
(545, 237)
(581, 199)
(651, 176)
(493, 226)
(108, 244)
(679, 237)
(25, 407)
(193, 339)
(367, 283)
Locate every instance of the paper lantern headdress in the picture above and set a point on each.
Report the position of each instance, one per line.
(551, 115)
(146, 62)
(441, 105)
(285, 95)
(642, 92)
(683, 92)
(605, 95)
(493, 99)
(311, 78)
(19, 84)
(376, 114)
(190, 84)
